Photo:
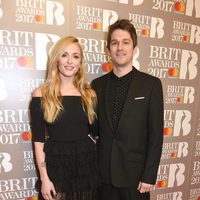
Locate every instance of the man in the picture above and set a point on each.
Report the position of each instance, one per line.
(130, 121)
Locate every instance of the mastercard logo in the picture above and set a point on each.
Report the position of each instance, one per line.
(173, 155)
(39, 18)
(145, 32)
(26, 136)
(173, 72)
(96, 26)
(32, 198)
(179, 100)
(162, 184)
(186, 38)
(167, 131)
(25, 61)
(179, 6)
(107, 67)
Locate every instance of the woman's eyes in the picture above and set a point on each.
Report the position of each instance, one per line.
(64, 55)
(74, 56)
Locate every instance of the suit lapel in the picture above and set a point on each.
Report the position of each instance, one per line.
(107, 85)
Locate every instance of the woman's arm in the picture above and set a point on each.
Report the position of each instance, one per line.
(38, 131)
(48, 190)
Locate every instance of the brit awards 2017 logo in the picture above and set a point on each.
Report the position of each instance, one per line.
(95, 19)
(170, 196)
(195, 179)
(177, 94)
(13, 124)
(26, 86)
(40, 11)
(97, 61)
(185, 32)
(174, 150)
(16, 49)
(147, 26)
(177, 122)
(187, 7)
(25, 50)
(168, 62)
(5, 162)
(28, 161)
(170, 175)
(22, 188)
(94, 55)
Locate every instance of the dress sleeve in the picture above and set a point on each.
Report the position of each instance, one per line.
(93, 129)
(37, 120)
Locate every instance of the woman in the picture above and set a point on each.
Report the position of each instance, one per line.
(62, 114)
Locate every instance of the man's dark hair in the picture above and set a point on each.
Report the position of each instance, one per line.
(123, 24)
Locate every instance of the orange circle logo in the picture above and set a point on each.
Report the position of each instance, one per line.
(179, 100)
(96, 26)
(179, 6)
(167, 131)
(145, 32)
(107, 67)
(39, 18)
(162, 184)
(26, 136)
(24, 61)
(173, 71)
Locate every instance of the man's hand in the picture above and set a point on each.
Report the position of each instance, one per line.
(145, 187)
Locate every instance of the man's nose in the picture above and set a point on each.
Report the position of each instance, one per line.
(120, 45)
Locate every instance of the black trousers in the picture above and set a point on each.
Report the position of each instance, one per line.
(109, 192)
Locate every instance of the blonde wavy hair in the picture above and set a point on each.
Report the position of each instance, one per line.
(51, 95)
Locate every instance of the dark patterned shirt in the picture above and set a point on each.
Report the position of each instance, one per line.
(118, 90)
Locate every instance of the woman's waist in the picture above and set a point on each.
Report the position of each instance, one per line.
(67, 147)
(66, 138)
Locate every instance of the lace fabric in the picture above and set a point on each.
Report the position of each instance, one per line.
(73, 169)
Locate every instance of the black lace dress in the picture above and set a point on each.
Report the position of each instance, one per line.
(70, 154)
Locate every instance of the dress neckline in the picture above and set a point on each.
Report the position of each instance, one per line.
(63, 96)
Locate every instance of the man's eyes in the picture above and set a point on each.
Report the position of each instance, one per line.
(124, 42)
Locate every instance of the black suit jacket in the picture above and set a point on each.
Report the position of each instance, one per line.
(133, 153)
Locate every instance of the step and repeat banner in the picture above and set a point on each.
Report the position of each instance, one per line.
(168, 48)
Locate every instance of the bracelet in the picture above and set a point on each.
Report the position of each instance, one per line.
(43, 164)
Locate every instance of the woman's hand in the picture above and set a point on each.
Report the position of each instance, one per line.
(48, 190)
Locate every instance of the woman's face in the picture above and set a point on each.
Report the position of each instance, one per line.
(70, 61)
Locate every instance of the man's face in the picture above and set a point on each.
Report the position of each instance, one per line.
(121, 48)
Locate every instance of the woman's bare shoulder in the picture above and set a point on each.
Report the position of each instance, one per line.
(37, 92)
